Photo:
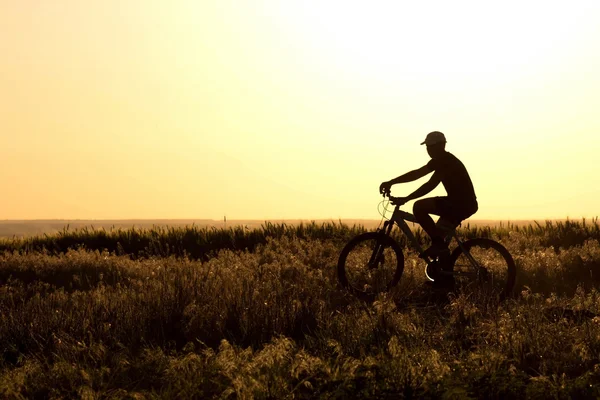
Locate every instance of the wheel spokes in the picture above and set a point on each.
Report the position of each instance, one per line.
(482, 269)
(370, 267)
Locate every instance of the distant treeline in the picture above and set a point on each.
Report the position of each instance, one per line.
(204, 242)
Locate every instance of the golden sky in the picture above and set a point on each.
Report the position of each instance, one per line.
(265, 109)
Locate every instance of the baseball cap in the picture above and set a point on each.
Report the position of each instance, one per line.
(434, 138)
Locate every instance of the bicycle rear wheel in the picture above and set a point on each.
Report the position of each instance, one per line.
(370, 263)
(485, 268)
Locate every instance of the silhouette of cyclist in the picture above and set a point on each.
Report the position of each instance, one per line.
(460, 203)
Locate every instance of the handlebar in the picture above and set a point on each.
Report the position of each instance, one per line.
(398, 212)
(394, 200)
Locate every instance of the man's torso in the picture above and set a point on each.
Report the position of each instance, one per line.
(456, 180)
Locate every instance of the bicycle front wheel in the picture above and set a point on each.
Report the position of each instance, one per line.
(370, 263)
(484, 267)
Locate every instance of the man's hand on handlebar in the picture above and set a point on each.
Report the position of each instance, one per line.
(398, 201)
(385, 188)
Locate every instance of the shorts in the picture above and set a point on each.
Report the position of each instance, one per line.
(454, 211)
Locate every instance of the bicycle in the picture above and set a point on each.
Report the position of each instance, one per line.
(373, 262)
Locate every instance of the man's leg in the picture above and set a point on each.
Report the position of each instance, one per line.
(421, 210)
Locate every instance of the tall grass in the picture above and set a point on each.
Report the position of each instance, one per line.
(203, 243)
(271, 322)
(192, 242)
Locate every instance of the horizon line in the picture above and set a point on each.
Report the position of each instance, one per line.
(267, 219)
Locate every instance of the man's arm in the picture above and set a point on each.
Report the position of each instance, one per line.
(407, 177)
(411, 176)
(425, 188)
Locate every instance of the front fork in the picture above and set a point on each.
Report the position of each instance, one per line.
(377, 255)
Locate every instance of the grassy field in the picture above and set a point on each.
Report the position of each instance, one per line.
(28, 228)
(257, 313)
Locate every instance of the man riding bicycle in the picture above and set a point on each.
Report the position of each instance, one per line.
(460, 203)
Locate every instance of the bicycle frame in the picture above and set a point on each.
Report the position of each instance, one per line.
(400, 217)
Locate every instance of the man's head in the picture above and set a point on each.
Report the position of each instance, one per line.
(436, 144)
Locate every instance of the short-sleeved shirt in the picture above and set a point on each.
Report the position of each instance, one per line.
(455, 178)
